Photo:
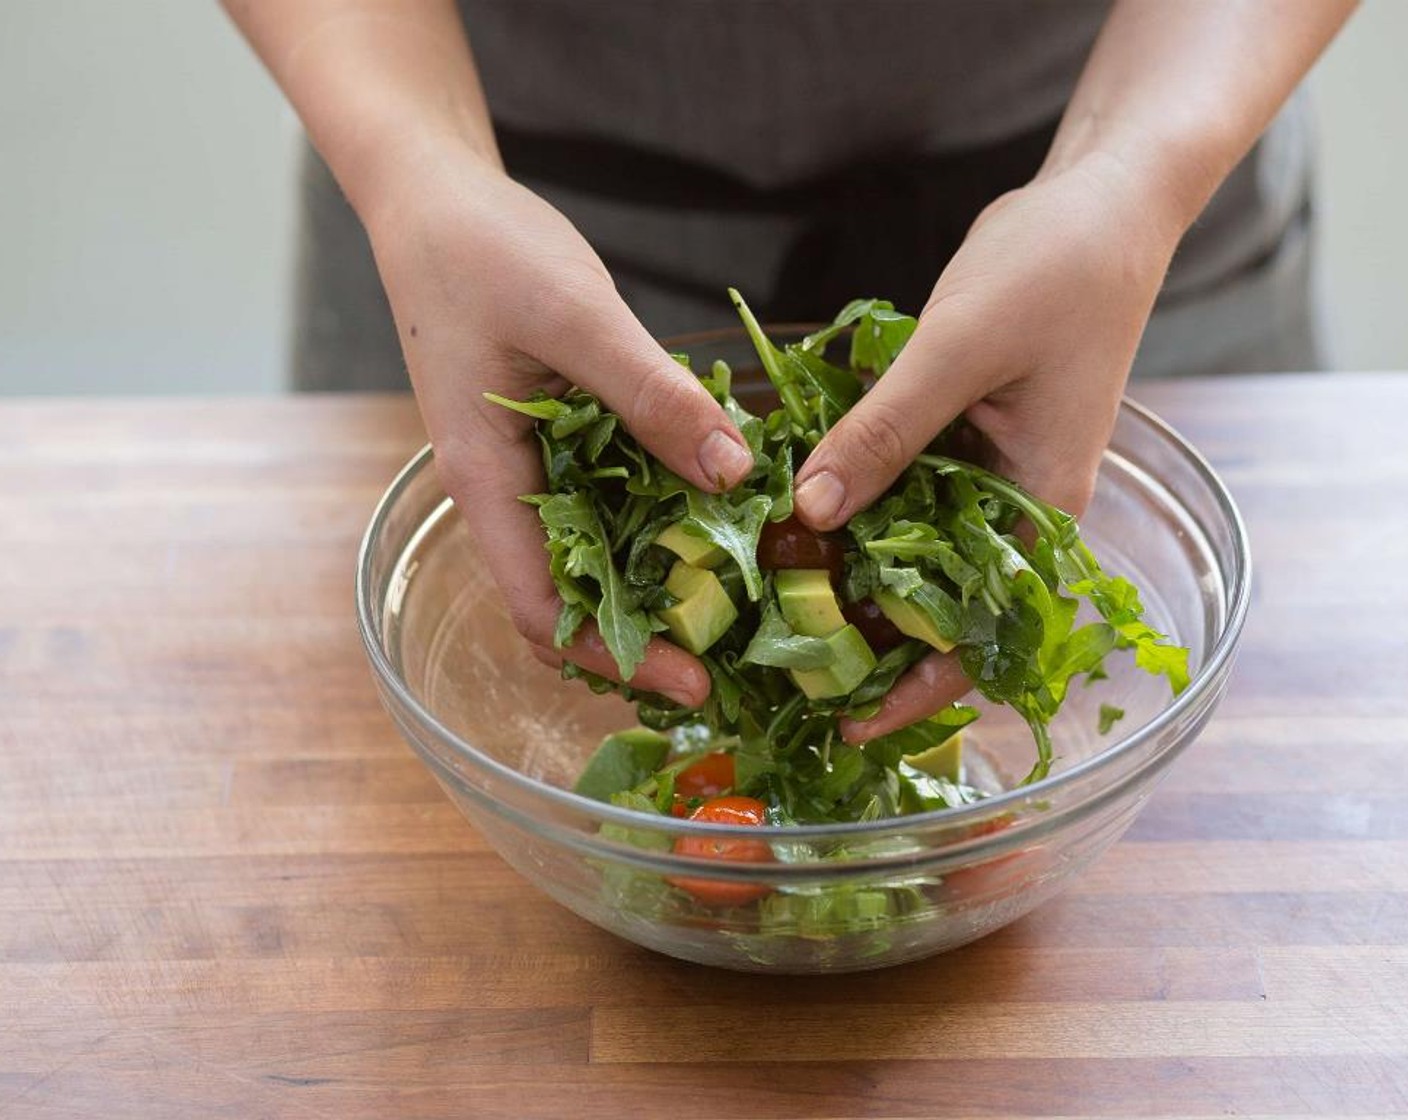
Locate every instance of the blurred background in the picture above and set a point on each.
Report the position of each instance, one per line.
(146, 213)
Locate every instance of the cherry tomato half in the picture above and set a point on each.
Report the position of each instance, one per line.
(999, 876)
(879, 632)
(790, 544)
(745, 811)
(711, 776)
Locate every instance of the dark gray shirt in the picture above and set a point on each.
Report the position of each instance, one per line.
(808, 151)
(780, 91)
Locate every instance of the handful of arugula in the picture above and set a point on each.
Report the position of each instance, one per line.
(641, 551)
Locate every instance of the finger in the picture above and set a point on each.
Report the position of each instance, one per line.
(610, 354)
(667, 669)
(485, 476)
(930, 686)
(935, 378)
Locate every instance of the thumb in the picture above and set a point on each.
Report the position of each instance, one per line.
(662, 404)
(933, 380)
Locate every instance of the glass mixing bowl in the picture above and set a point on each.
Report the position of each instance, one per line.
(506, 737)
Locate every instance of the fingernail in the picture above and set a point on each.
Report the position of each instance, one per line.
(723, 461)
(821, 497)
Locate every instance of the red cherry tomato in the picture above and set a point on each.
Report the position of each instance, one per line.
(711, 776)
(790, 544)
(996, 877)
(745, 811)
(991, 825)
(879, 632)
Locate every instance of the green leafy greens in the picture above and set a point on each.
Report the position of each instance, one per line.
(943, 541)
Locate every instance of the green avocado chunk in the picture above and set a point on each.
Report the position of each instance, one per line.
(909, 619)
(807, 602)
(944, 760)
(851, 664)
(704, 611)
(691, 549)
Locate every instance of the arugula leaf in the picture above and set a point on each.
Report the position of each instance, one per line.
(598, 437)
(880, 335)
(865, 699)
(924, 793)
(782, 374)
(837, 389)
(1109, 716)
(539, 407)
(939, 607)
(571, 513)
(943, 537)
(1117, 600)
(778, 487)
(904, 582)
(578, 547)
(1082, 652)
(646, 565)
(776, 643)
(726, 692)
(623, 625)
(734, 528)
(569, 620)
(753, 760)
(1114, 597)
(582, 414)
(719, 382)
(817, 341)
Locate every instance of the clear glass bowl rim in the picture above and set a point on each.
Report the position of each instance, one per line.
(1197, 693)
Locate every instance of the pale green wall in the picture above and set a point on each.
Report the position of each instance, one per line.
(1360, 92)
(145, 201)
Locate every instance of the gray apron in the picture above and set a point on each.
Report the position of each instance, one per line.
(806, 152)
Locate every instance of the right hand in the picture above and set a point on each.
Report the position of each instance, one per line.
(494, 290)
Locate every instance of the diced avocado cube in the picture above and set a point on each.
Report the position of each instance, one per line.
(691, 549)
(851, 664)
(870, 906)
(944, 760)
(807, 602)
(704, 611)
(909, 619)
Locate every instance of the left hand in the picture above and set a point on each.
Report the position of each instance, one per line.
(1029, 334)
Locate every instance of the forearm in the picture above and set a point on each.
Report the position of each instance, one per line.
(1176, 93)
(379, 84)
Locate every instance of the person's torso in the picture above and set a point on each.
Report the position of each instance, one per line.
(780, 91)
(771, 94)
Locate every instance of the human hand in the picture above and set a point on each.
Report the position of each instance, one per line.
(494, 290)
(1029, 334)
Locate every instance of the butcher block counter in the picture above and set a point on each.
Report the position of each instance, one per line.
(228, 889)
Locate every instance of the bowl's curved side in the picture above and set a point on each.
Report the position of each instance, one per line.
(963, 879)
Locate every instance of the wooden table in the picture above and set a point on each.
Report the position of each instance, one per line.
(227, 889)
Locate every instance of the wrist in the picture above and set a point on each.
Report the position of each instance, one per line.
(396, 159)
(383, 95)
(1146, 188)
(1171, 173)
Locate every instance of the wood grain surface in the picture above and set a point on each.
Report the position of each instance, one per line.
(227, 889)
